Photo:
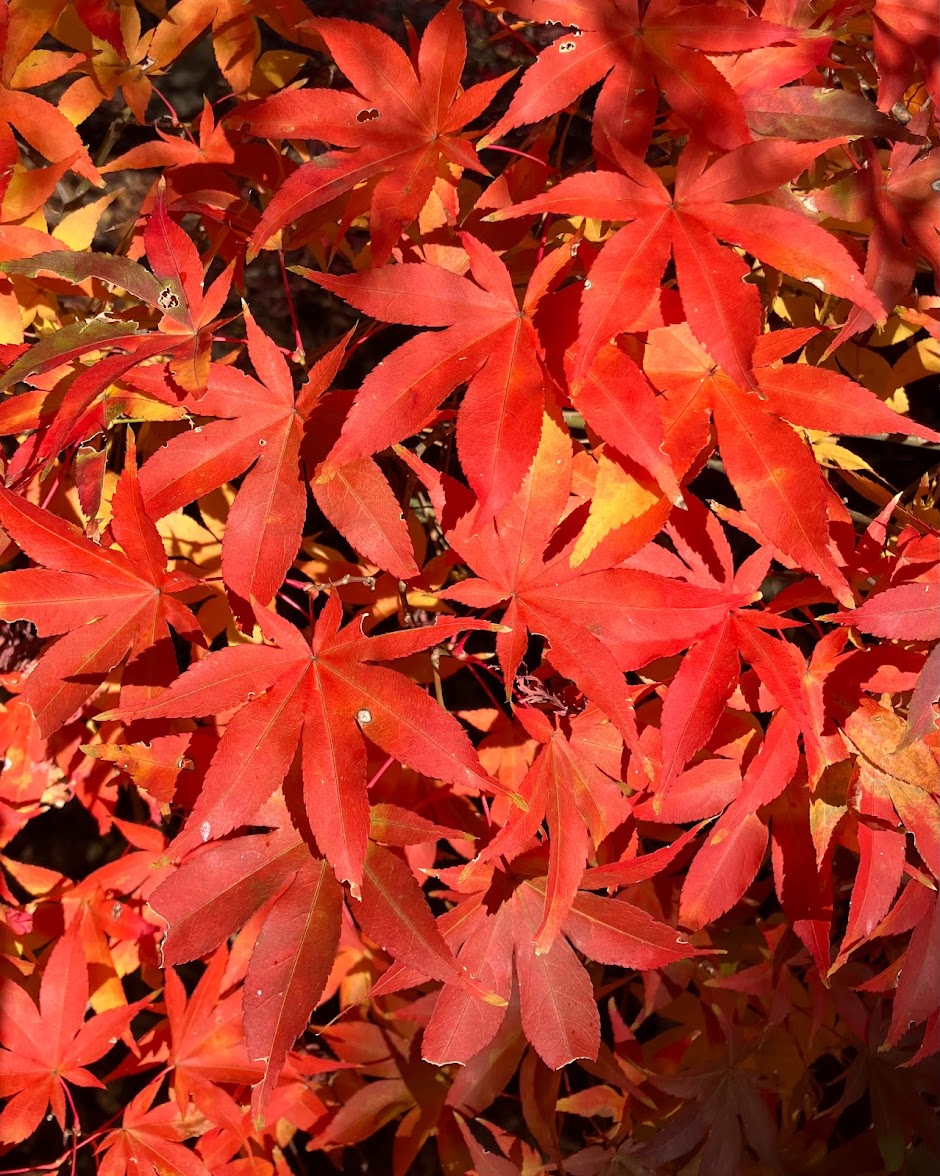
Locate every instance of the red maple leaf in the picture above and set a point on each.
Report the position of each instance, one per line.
(900, 200)
(599, 620)
(326, 692)
(172, 151)
(494, 925)
(275, 434)
(908, 610)
(217, 892)
(110, 603)
(52, 1044)
(723, 310)
(580, 804)
(772, 469)
(488, 342)
(401, 129)
(149, 1136)
(221, 886)
(640, 51)
(904, 36)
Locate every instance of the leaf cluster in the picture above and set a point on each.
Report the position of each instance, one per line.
(471, 600)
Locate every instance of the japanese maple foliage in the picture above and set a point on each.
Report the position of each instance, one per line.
(470, 604)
